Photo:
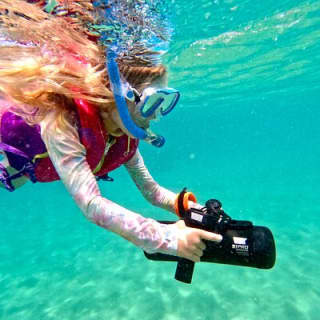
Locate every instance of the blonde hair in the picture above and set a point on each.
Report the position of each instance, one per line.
(47, 61)
(141, 77)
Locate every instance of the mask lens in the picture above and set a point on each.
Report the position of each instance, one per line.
(164, 100)
(151, 104)
(169, 102)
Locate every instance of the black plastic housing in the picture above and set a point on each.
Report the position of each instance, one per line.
(248, 245)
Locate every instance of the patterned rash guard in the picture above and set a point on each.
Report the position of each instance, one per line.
(68, 156)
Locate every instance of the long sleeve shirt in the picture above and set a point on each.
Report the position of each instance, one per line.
(68, 156)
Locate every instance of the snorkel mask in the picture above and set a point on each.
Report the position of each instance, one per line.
(152, 102)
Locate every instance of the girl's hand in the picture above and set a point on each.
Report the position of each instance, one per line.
(190, 241)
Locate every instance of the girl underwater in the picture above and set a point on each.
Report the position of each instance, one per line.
(67, 114)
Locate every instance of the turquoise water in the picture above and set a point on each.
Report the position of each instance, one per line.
(246, 132)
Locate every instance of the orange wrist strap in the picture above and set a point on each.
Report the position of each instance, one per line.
(187, 196)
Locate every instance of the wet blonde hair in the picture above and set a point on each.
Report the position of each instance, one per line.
(47, 61)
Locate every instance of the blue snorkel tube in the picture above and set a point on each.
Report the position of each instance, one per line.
(122, 107)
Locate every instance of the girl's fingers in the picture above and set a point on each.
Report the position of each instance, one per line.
(210, 236)
(194, 258)
(197, 252)
(201, 245)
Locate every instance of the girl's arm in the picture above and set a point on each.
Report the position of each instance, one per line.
(69, 158)
(150, 189)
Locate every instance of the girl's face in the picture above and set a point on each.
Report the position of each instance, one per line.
(140, 121)
(111, 125)
(113, 121)
(143, 123)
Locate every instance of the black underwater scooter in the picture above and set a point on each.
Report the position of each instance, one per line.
(243, 244)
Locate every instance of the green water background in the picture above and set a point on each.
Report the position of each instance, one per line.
(246, 132)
